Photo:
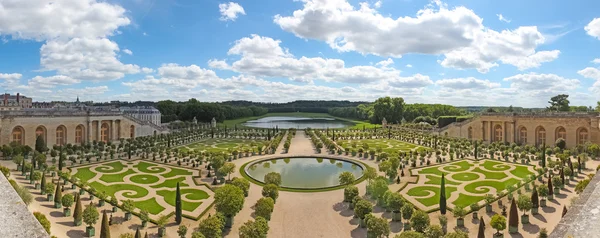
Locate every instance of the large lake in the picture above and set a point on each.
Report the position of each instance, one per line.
(297, 122)
(305, 173)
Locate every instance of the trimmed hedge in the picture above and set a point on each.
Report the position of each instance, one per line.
(443, 121)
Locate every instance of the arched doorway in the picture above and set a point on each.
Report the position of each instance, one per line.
(582, 136)
(104, 132)
(61, 135)
(561, 133)
(18, 135)
(523, 135)
(540, 136)
(79, 134)
(498, 133)
(40, 131)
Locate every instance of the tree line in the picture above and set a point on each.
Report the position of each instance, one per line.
(205, 111)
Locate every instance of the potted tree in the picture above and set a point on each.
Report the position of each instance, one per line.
(101, 198)
(556, 182)
(49, 190)
(489, 198)
(90, 217)
(444, 223)
(115, 203)
(499, 223)
(161, 223)
(77, 213)
(229, 200)
(67, 201)
(543, 193)
(350, 193)
(128, 207)
(394, 203)
(145, 217)
(535, 201)
(459, 212)
(524, 203)
(361, 209)
(474, 208)
(407, 211)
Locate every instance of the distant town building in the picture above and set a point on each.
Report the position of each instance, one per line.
(143, 113)
(15, 102)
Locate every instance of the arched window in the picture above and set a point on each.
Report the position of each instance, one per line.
(582, 136)
(470, 133)
(18, 135)
(561, 133)
(79, 134)
(40, 131)
(523, 136)
(104, 132)
(540, 136)
(61, 135)
(498, 133)
(132, 131)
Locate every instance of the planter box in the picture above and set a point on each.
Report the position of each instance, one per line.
(90, 231)
(488, 208)
(513, 230)
(556, 191)
(81, 191)
(77, 222)
(57, 205)
(397, 216)
(50, 197)
(228, 222)
(67, 212)
(115, 209)
(362, 223)
(534, 210)
(498, 235)
(101, 203)
(144, 223)
(127, 216)
(475, 215)
(543, 203)
(460, 222)
(524, 219)
(73, 186)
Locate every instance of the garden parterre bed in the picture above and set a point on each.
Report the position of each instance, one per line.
(467, 182)
(150, 185)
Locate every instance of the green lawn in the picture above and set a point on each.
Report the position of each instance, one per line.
(174, 172)
(425, 190)
(116, 178)
(490, 175)
(150, 205)
(145, 167)
(217, 145)
(388, 146)
(481, 186)
(466, 176)
(132, 191)
(495, 165)
(171, 183)
(187, 193)
(116, 166)
(144, 179)
(465, 200)
(240, 121)
(437, 180)
(84, 174)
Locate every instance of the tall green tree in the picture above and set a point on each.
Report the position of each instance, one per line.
(481, 231)
(559, 103)
(513, 216)
(178, 205)
(43, 184)
(77, 213)
(443, 196)
(229, 200)
(58, 196)
(40, 145)
(105, 228)
(543, 162)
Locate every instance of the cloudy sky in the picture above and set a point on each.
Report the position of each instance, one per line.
(460, 52)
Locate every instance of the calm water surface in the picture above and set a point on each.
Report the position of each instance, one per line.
(296, 122)
(305, 172)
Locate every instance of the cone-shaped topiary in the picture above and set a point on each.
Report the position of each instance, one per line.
(137, 233)
(550, 187)
(513, 219)
(58, 196)
(535, 201)
(43, 185)
(105, 228)
(481, 232)
(564, 212)
(77, 213)
(443, 196)
(178, 205)
(543, 162)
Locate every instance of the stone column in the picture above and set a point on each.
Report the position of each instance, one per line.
(483, 130)
(504, 131)
(88, 130)
(98, 134)
(112, 130)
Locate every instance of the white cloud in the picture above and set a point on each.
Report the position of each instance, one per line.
(10, 79)
(264, 57)
(85, 59)
(596, 61)
(127, 51)
(457, 33)
(147, 70)
(591, 73)
(52, 81)
(48, 19)
(467, 83)
(534, 82)
(593, 28)
(377, 4)
(501, 18)
(230, 11)
(409, 66)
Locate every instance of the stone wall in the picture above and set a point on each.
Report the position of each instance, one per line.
(15, 219)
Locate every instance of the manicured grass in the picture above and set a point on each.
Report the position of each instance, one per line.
(84, 174)
(495, 165)
(145, 167)
(465, 176)
(388, 146)
(132, 191)
(216, 145)
(171, 183)
(426, 190)
(150, 205)
(437, 180)
(144, 179)
(481, 186)
(240, 121)
(174, 172)
(490, 175)
(466, 200)
(521, 172)
(458, 166)
(116, 178)
(186, 194)
(116, 166)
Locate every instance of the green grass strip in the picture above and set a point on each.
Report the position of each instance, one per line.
(132, 191)
(116, 178)
(150, 205)
(187, 193)
(145, 167)
(84, 174)
(117, 166)
(171, 183)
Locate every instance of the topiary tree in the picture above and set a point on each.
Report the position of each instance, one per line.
(273, 178)
(161, 223)
(349, 193)
(561, 143)
(481, 230)
(145, 217)
(264, 207)
(211, 227)
(77, 213)
(105, 228)
(178, 205)
(271, 190)
(361, 209)
(241, 183)
(407, 211)
(395, 202)
(410, 234)
(434, 231)
(443, 194)
(499, 223)
(182, 231)
(513, 219)
(58, 196)
(524, 203)
(227, 168)
(419, 221)
(67, 202)
(377, 227)
(90, 217)
(229, 200)
(254, 229)
(128, 207)
(346, 178)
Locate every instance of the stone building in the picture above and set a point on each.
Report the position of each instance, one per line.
(15, 102)
(144, 113)
(529, 128)
(74, 126)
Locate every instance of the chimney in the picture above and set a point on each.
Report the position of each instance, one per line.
(17, 98)
(6, 99)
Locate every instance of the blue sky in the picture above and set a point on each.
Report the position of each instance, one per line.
(454, 52)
